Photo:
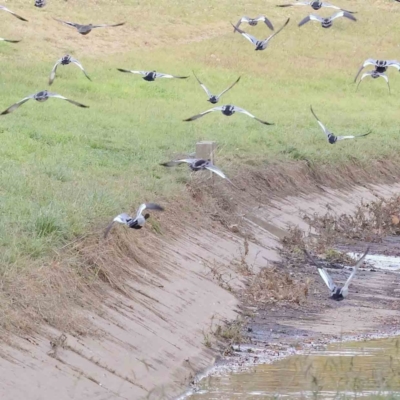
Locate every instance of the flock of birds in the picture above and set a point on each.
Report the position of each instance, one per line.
(139, 220)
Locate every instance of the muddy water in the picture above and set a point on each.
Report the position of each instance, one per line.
(366, 369)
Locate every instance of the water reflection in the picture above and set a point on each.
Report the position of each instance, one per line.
(368, 370)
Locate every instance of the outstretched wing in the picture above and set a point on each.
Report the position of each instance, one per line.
(76, 62)
(310, 17)
(67, 23)
(202, 85)
(58, 96)
(13, 13)
(169, 76)
(241, 110)
(299, 3)
(249, 37)
(132, 72)
(369, 73)
(359, 262)
(367, 62)
(230, 87)
(343, 14)
(335, 7)
(266, 21)
(121, 218)
(243, 19)
(107, 25)
(9, 41)
(174, 163)
(203, 113)
(326, 131)
(352, 137)
(327, 279)
(53, 71)
(16, 105)
(275, 33)
(150, 206)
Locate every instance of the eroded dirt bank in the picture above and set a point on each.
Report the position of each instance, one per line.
(151, 337)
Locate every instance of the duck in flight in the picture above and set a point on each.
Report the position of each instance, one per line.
(315, 4)
(227, 110)
(212, 98)
(9, 41)
(374, 75)
(332, 139)
(380, 66)
(67, 59)
(40, 3)
(86, 29)
(151, 76)
(254, 21)
(196, 164)
(327, 22)
(40, 97)
(259, 44)
(13, 13)
(136, 222)
(336, 292)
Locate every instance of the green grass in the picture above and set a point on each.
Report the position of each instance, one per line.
(65, 171)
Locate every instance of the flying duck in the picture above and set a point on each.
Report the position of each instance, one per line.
(381, 66)
(259, 44)
(40, 3)
(315, 4)
(13, 13)
(374, 74)
(67, 59)
(151, 76)
(336, 292)
(213, 99)
(137, 222)
(327, 22)
(85, 29)
(254, 21)
(196, 164)
(332, 139)
(41, 97)
(227, 110)
(9, 41)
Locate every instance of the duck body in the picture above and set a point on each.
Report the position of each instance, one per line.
(228, 110)
(41, 96)
(332, 139)
(316, 5)
(199, 165)
(337, 294)
(150, 76)
(66, 60)
(326, 23)
(213, 99)
(138, 223)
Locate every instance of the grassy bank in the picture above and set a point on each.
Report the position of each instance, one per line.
(66, 171)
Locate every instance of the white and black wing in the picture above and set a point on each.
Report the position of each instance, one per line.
(53, 71)
(310, 17)
(249, 37)
(394, 63)
(275, 33)
(367, 62)
(241, 110)
(370, 73)
(144, 73)
(58, 96)
(108, 25)
(327, 279)
(169, 76)
(343, 14)
(174, 163)
(202, 85)
(203, 113)
(9, 41)
(323, 127)
(266, 21)
(149, 206)
(73, 24)
(299, 3)
(358, 265)
(352, 136)
(243, 19)
(16, 105)
(230, 87)
(328, 5)
(76, 62)
(13, 13)
(121, 218)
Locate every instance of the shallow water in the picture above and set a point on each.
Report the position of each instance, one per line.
(379, 261)
(365, 369)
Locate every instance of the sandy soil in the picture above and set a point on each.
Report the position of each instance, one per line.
(151, 343)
